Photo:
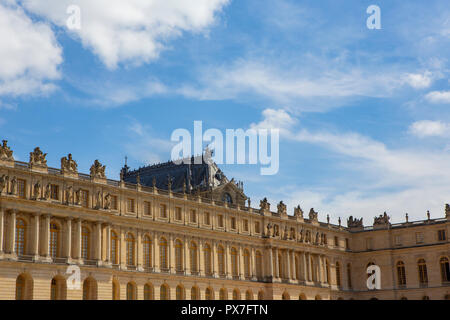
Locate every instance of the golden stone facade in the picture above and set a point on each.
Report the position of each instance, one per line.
(136, 242)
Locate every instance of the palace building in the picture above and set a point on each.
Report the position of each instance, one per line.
(185, 231)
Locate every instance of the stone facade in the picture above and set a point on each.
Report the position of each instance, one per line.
(139, 242)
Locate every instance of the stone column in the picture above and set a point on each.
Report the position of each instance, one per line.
(277, 264)
(305, 266)
(2, 224)
(241, 263)
(123, 250)
(46, 236)
(310, 269)
(321, 267)
(35, 248)
(12, 232)
(171, 252)
(253, 264)
(214, 259)
(228, 270)
(156, 252)
(68, 239)
(108, 243)
(270, 264)
(98, 242)
(187, 261)
(139, 251)
(77, 240)
(288, 264)
(201, 260)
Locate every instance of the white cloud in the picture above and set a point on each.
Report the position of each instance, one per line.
(132, 31)
(419, 81)
(427, 128)
(438, 96)
(275, 119)
(29, 54)
(395, 180)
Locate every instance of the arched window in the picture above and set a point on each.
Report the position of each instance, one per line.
(131, 291)
(248, 295)
(246, 263)
(234, 262)
(261, 295)
(163, 254)
(193, 257)
(130, 250)
(302, 296)
(318, 297)
(445, 270)
(164, 292)
(195, 293)
(58, 288)
(20, 237)
(54, 240)
(115, 290)
(114, 247)
(258, 262)
(148, 292)
(147, 247)
(401, 274)
(208, 265)
(236, 294)
(349, 275)
(223, 294)
(178, 256)
(85, 243)
(89, 289)
(423, 274)
(338, 274)
(209, 294)
(221, 260)
(285, 296)
(180, 293)
(24, 287)
(327, 270)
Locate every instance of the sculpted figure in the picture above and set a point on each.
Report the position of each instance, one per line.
(37, 157)
(281, 208)
(264, 204)
(48, 190)
(68, 164)
(99, 199)
(269, 230)
(98, 170)
(78, 197)
(354, 223)
(3, 182)
(108, 201)
(37, 191)
(298, 212)
(13, 186)
(301, 236)
(69, 195)
(6, 152)
(382, 219)
(312, 214)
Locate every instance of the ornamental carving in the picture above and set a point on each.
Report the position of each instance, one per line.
(37, 157)
(6, 153)
(313, 215)
(281, 207)
(37, 191)
(298, 212)
(354, 223)
(381, 219)
(98, 170)
(264, 205)
(68, 164)
(108, 202)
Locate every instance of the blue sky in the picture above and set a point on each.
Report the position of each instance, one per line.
(364, 113)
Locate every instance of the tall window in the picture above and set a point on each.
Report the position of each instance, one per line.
(193, 216)
(20, 288)
(349, 276)
(236, 294)
(257, 228)
(193, 257)
(194, 293)
(223, 294)
(84, 198)
(20, 237)
(248, 295)
(327, 269)
(234, 262)
(220, 220)
(114, 247)
(180, 293)
(147, 247)
(21, 188)
(233, 223)
(258, 262)
(54, 192)
(130, 205)
(178, 255)
(246, 263)
(207, 218)
(131, 291)
(163, 211)
(164, 292)
(130, 249)
(89, 289)
(423, 274)
(338, 274)
(208, 264)
(401, 274)
(245, 224)
(148, 292)
(85, 243)
(58, 288)
(147, 208)
(115, 290)
(163, 254)
(178, 215)
(280, 266)
(209, 294)
(54, 240)
(445, 270)
(221, 260)
(441, 235)
(261, 295)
